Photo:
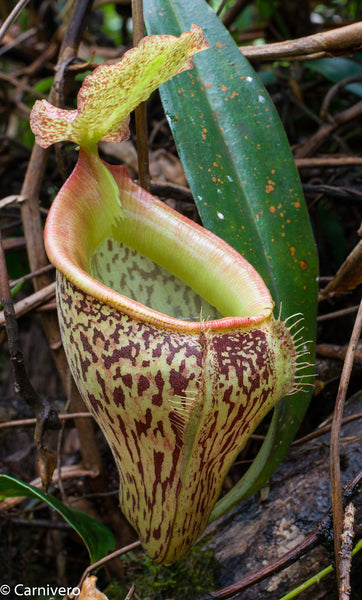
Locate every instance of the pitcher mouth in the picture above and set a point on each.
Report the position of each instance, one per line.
(100, 202)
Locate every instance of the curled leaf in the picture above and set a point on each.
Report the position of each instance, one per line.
(111, 92)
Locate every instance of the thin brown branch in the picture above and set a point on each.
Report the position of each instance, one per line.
(322, 430)
(333, 91)
(348, 194)
(30, 422)
(328, 43)
(339, 352)
(171, 190)
(346, 552)
(327, 161)
(335, 470)
(12, 17)
(29, 276)
(313, 143)
(59, 447)
(234, 11)
(141, 110)
(130, 593)
(19, 40)
(20, 85)
(30, 302)
(348, 276)
(337, 313)
(68, 472)
(41, 524)
(221, 6)
(46, 416)
(311, 541)
(107, 559)
(30, 213)
(34, 234)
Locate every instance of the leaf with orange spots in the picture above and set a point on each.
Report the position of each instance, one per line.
(240, 168)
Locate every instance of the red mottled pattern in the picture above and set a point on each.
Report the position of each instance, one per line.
(176, 408)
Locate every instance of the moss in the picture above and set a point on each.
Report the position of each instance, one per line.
(188, 578)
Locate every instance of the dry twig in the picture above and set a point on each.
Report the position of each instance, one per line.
(46, 416)
(346, 552)
(107, 559)
(68, 472)
(141, 110)
(335, 470)
(311, 540)
(30, 422)
(30, 302)
(34, 234)
(327, 43)
(327, 161)
(12, 17)
(348, 276)
(315, 141)
(339, 352)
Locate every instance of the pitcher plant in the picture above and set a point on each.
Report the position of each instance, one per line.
(169, 332)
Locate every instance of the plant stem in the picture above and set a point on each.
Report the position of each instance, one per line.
(307, 584)
(316, 578)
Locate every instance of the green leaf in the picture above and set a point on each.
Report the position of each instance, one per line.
(241, 171)
(337, 69)
(98, 538)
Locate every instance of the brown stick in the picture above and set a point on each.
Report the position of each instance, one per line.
(27, 304)
(328, 43)
(234, 11)
(328, 161)
(68, 472)
(141, 110)
(346, 552)
(108, 558)
(348, 276)
(313, 143)
(337, 313)
(312, 540)
(335, 470)
(322, 430)
(339, 352)
(46, 417)
(30, 422)
(34, 236)
(13, 15)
